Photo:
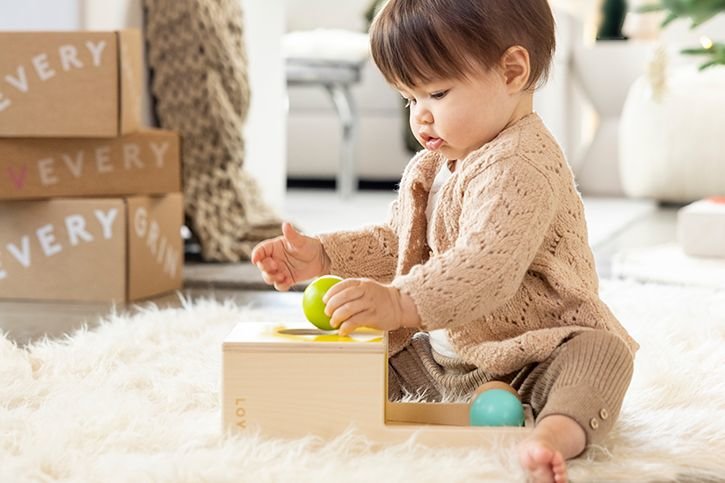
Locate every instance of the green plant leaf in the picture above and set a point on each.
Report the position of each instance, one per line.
(670, 18)
(677, 6)
(695, 51)
(707, 65)
(702, 17)
(699, 11)
(716, 54)
(649, 8)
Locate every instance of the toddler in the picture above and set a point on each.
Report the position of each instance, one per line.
(482, 271)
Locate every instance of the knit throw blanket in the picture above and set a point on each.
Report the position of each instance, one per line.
(199, 81)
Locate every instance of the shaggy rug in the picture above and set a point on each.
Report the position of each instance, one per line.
(137, 399)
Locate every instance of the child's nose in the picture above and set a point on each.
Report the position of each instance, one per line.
(422, 115)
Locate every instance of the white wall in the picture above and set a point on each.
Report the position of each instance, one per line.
(266, 130)
(338, 14)
(40, 15)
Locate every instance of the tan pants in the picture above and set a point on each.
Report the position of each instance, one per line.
(585, 378)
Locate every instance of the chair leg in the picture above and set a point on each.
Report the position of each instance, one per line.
(346, 110)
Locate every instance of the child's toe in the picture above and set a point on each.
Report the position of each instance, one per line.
(543, 455)
(558, 466)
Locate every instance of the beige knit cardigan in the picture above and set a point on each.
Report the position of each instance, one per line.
(509, 272)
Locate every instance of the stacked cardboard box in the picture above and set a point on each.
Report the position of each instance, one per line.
(90, 203)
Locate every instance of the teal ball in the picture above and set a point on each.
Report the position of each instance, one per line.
(496, 407)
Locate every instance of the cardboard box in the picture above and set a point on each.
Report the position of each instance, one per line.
(701, 228)
(91, 249)
(147, 162)
(70, 84)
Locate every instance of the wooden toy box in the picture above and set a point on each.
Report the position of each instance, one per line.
(290, 381)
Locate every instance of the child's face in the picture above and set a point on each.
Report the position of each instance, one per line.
(458, 116)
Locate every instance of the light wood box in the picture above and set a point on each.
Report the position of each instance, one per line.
(291, 381)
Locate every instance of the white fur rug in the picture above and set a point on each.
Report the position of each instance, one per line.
(137, 399)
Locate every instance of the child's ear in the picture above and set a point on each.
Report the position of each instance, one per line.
(516, 68)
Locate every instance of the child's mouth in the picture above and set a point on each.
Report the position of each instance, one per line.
(433, 144)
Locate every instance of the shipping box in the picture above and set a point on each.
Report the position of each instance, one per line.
(70, 84)
(146, 162)
(91, 249)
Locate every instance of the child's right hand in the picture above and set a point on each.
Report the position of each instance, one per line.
(290, 258)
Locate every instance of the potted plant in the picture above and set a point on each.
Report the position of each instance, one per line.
(699, 11)
(612, 20)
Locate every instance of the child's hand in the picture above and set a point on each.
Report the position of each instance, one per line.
(290, 258)
(357, 302)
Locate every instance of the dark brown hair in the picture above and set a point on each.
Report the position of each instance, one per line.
(418, 41)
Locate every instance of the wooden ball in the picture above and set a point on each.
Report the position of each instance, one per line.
(494, 385)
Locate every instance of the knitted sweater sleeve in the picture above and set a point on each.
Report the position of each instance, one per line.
(371, 252)
(506, 210)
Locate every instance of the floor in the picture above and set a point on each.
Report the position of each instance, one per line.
(614, 224)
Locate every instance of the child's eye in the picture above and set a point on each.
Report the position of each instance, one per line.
(439, 94)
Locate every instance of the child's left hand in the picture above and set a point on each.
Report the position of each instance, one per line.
(358, 302)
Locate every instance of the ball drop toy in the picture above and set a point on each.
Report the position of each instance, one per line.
(312, 304)
(496, 404)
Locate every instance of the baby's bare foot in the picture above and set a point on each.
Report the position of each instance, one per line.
(543, 454)
(542, 462)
